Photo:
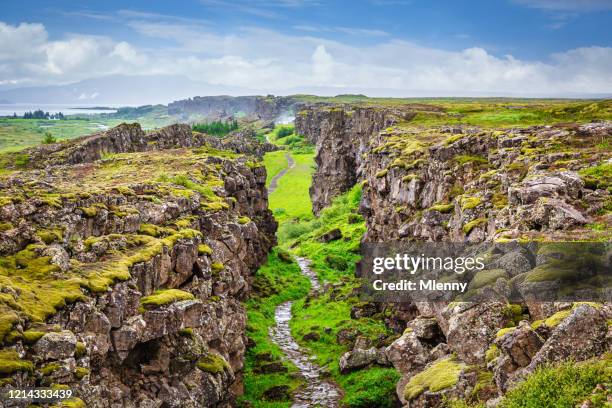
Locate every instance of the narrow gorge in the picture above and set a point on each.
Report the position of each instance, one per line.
(171, 268)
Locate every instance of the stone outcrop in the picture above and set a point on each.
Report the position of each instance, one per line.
(125, 258)
(220, 107)
(470, 185)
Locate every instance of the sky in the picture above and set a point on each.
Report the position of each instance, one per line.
(375, 47)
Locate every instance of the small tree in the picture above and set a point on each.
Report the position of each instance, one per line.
(48, 138)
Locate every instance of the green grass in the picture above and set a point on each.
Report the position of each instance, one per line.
(275, 162)
(276, 282)
(372, 387)
(291, 198)
(561, 386)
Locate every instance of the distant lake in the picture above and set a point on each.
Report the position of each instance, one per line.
(74, 109)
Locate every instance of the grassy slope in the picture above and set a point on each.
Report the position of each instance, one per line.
(275, 162)
(291, 198)
(17, 134)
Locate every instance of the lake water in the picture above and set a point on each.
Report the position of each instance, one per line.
(21, 108)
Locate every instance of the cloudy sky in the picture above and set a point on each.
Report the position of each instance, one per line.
(377, 47)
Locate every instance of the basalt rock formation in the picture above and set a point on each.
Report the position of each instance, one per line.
(263, 107)
(472, 185)
(124, 260)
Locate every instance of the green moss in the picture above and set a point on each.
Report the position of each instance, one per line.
(49, 369)
(452, 139)
(565, 385)
(499, 200)
(10, 363)
(504, 331)
(217, 267)
(80, 349)
(468, 203)
(72, 403)
(244, 220)
(439, 376)
(487, 277)
(32, 336)
(382, 173)
(464, 159)
(49, 236)
(152, 230)
(598, 177)
(557, 318)
(443, 208)
(89, 212)
(204, 249)
(81, 372)
(467, 228)
(5, 226)
(492, 353)
(187, 332)
(212, 363)
(164, 297)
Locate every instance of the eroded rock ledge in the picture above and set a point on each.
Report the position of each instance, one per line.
(125, 257)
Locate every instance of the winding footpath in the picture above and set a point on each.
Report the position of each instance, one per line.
(274, 181)
(318, 391)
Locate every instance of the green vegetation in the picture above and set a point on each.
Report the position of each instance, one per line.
(440, 375)
(562, 386)
(275, 162)
(216, 127)
(49, 138)
(212, 363)
(278, 281)
(10, 362)
(164, 297)
(291, 200)
(467, 228)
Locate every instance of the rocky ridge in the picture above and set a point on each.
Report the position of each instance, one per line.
(125, 258)
(472, 185)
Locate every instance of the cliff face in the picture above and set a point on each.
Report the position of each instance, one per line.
(457, 183)
(466, 184)
(122, 274)
(266, 108)
(341, 137)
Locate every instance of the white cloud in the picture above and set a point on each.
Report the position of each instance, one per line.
(274, 62)
(568, 5)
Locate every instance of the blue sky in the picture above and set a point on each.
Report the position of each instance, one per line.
(442, 47)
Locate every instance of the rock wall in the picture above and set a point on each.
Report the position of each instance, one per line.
(466, 184)
(122, 275)
(266, 108)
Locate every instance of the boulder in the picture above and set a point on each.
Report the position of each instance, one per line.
(356, 359)
(56, 346)
(408, 353)
(520, 344)
(580, 336)
(331, 235)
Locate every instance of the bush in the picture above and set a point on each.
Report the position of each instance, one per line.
(48, 138)
(216, 127)
(284, 132)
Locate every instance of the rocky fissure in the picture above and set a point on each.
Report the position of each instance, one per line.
(125, 261)
(472, 185)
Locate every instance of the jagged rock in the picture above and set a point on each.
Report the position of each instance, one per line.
(471, 331)
(426, 328)
(557, 184)
(346, 336)
(521, 344)
(363, 310)
(56, 346)
(408, 353)
(332, 235)
(277, 393)
(580, 336)
(555, 214)
(357, 358)
(59, 256)
(312, 336)
(274, 367)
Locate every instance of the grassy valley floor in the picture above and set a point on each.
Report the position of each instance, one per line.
(317, 320)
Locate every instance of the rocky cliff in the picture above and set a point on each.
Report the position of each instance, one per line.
(472, 185)
(125, 258)
(263, 107)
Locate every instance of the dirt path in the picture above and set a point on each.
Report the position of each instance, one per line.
(318, 392)
(274, 181)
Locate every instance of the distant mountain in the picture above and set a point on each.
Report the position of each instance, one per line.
(119, 90)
